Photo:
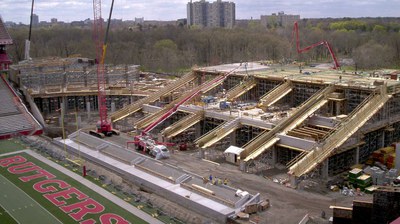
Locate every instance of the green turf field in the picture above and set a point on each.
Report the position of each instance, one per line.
(11, 145)
(29, 205)
(21, 206)
(5, 217)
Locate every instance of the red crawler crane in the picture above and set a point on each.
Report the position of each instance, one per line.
(103, 127)
(323, 42)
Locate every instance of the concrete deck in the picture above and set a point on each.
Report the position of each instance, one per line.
(170, 182)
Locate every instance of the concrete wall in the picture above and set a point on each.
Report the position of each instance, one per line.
(182, 201)
(34, 109)
(296, 142)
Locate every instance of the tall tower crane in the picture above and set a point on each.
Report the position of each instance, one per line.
(305, 49)
(103, 126)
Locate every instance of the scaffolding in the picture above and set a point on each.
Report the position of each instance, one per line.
(245, 134)
(266, 85)
(347, 128)
(339, 163)
(285, 155)
(209, 123)
(183, 124)
(303, 91)
(218, 133)
(254, 148)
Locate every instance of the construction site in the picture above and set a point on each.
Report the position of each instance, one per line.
(224, 142)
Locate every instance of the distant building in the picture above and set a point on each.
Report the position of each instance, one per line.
(139, 20)
(35, 20)
(181, 22)
(282, 20)
(216, 14)
(54, 20)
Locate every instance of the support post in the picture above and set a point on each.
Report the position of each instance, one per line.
(88, 109)
(357, 160)
(112, 107)
(274, 158)
(325, 169)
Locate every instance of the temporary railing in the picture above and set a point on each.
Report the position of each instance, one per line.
(241, 89)
(136, 106)
(276, 94)
(255, 148)
(347, 128)
(183, 124)
(218, 133)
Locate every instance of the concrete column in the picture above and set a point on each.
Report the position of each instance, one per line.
(293, 180)
(197, 131)
(338, 108)
(63, 104)
(274, 158)
(112, 107)
(79, 121)
(232, 136)
(357, 160)
(62, 112)
(88, 109)
(242, 166)
(325, 169)
(201, 153)
(397, 163)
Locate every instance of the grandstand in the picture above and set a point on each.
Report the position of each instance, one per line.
(15, 119)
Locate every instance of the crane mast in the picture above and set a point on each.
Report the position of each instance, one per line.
(104, 126)
(305, 49)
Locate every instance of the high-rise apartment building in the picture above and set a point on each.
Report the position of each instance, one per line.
(280, 19)
(35, 20)
(216, 14)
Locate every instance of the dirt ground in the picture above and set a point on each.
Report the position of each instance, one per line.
(288, 205)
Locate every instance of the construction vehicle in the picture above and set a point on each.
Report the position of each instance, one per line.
(323, 42)
(103, 126)
(147, 145)
(145, 142)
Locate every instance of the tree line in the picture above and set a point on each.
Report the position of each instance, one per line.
(371, 42)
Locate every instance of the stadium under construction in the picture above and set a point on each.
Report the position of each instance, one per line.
(312, 120)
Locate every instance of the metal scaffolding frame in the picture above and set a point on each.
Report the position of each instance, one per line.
(245, 134)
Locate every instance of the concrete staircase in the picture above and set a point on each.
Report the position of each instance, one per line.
(241, 89)
(183, 124)
(347, 128)
(218, 133)
(207, 86)
(267, 139)
(136, 106)
(276, 94)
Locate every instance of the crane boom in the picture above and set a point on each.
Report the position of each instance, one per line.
(170, 112)
(305, 49)
(104, 125)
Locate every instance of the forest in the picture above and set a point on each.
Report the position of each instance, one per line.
(373, 43)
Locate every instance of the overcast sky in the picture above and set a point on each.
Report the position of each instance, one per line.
(73, 10)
